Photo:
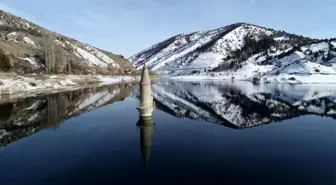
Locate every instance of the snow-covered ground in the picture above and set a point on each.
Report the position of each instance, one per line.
(91, 55)
(29, 41)
(33, 61)
(295, 68)
(17, 86)
(184, 50)
(227, 54)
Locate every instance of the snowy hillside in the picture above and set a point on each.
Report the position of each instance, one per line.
(243, 105)
(243, 52)
(26, 44)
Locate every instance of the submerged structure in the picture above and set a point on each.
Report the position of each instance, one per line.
(146, 106)
(145, 122)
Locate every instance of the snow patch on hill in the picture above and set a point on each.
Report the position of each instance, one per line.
(88, 57)
(281, 38)
(206, 60)
(60, 43)
(307, 67)
(93, 57)
(181, 52)
(12, 36)
(234, 40)
(29, 41)
(33, 61)
(103, 57)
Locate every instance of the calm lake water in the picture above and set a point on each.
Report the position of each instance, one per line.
(203, 133)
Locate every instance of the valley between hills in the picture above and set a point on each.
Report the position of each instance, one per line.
(35, 59)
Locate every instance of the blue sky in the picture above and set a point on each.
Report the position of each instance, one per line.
(128, 26)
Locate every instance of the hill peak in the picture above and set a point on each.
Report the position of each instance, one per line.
(28, 45)
(238, 49)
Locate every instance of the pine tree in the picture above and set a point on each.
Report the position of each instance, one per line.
(69, 67)
(5, 64)
(49, 55)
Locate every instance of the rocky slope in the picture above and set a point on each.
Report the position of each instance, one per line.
(26, 45)
(243, 105)
(241, 51)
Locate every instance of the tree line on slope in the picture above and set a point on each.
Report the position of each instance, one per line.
(250, 48)
(52, 58)
(263, 45)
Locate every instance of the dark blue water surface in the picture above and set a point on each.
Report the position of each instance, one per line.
(204, 133)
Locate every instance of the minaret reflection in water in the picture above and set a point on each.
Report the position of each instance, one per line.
(146, 125)
(145, 121)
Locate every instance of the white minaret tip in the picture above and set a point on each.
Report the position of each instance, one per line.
(145, 76)
(146, 100)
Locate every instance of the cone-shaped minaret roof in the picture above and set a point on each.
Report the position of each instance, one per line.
(146, 100)
(145, 76)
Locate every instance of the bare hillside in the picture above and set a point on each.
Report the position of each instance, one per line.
(33, 49)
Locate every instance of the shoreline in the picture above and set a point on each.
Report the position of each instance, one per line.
(266, 79)
(17, 86)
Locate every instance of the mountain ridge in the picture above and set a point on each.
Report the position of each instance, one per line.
(228, 49)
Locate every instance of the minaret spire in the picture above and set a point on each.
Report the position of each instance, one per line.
(145, 109)
(146, 100)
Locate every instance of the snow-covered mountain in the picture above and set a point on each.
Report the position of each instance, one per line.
(241, 51)
(23, 117)
(26, 43)
(242, 104)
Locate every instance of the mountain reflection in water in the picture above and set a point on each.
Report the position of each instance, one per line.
(23, 117)
(202, 135)
(235, 105)
(242, 104)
